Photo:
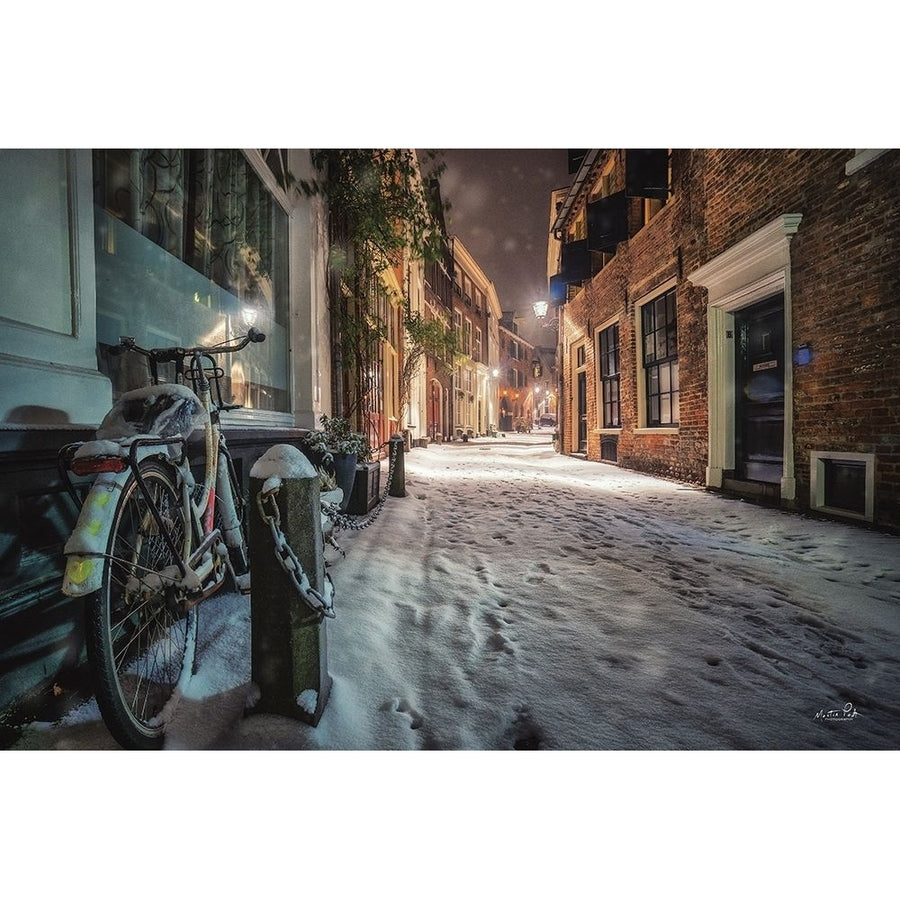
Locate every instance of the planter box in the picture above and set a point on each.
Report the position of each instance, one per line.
(366, 488)
(342, 467)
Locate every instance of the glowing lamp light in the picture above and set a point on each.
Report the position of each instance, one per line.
(804, 355)
(249, 315)
(540, 308)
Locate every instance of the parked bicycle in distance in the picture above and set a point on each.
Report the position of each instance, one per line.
(152, 541)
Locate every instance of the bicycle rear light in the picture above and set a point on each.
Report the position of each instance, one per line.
(93, 465)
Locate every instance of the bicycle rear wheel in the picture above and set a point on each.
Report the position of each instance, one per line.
(140, 640)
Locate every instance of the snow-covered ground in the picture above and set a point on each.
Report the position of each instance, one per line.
(516, 598)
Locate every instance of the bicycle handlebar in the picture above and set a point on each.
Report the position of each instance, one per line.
(173, 354)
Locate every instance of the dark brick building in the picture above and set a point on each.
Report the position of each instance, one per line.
(731, 318)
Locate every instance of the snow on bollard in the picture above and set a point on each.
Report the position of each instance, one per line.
(288, 646)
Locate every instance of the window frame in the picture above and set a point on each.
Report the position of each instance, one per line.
(647, 365)
(197, 176)
(605, 377)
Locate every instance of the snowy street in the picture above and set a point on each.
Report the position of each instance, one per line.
(516, 598)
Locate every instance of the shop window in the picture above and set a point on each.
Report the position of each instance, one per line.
(659, 330)
(191, 247)
(608, 352)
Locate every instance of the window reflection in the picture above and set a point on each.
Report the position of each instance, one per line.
(192, 248)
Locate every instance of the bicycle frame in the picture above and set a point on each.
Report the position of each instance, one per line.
(201, 566)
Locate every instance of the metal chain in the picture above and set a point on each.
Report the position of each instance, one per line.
(348, 523)
(287, 559)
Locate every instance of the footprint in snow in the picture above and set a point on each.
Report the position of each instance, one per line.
(403, 706)
(524, 734)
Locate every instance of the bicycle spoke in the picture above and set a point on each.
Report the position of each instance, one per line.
(142, 634)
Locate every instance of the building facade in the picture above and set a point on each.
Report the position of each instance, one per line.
(170, 247)
(474, 315)
(730, 318)
(517, 381)
(438, 300)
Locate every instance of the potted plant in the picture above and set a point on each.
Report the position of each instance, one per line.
(335, 447)
(367, 485)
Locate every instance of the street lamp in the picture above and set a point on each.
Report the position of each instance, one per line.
(541, 308)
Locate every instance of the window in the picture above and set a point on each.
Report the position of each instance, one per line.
(660, 335)
(608, 352)
(648, 180)
(467, 337)
(191, 247)
(476, 350)
(843, 484)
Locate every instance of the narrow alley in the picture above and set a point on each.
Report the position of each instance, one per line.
(518, 598)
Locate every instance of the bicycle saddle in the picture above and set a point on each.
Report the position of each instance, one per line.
(165, 410)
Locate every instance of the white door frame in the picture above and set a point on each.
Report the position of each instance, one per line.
(755, 268)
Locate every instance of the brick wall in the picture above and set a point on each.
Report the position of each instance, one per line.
(845, 290)
(656, 255)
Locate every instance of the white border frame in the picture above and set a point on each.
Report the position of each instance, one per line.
(641, 426)
(817, 460)
(598, 380)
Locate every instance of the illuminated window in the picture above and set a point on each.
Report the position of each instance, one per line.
(608, 352)
(191, 247)
(660, 336)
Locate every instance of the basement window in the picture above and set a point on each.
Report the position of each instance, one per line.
(843, 484)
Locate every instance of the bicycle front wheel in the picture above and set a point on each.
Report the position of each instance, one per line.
(140, 640)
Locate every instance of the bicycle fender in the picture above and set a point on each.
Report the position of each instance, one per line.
(88, 542)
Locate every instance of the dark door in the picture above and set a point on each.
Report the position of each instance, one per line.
(759, 386)
(582, 412)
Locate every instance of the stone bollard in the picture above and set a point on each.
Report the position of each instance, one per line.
(287, 640)
(398, 481)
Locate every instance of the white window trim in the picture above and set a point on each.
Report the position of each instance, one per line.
(640, 371)
(817, 460)
(598, 377)
(861, 160)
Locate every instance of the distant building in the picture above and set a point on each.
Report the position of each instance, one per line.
(730, 318)
(476, 310)
(438, 304)
(517, 376)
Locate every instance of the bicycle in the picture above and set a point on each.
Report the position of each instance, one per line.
(151, 541)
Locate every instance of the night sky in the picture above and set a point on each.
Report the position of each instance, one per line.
(500, 208)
